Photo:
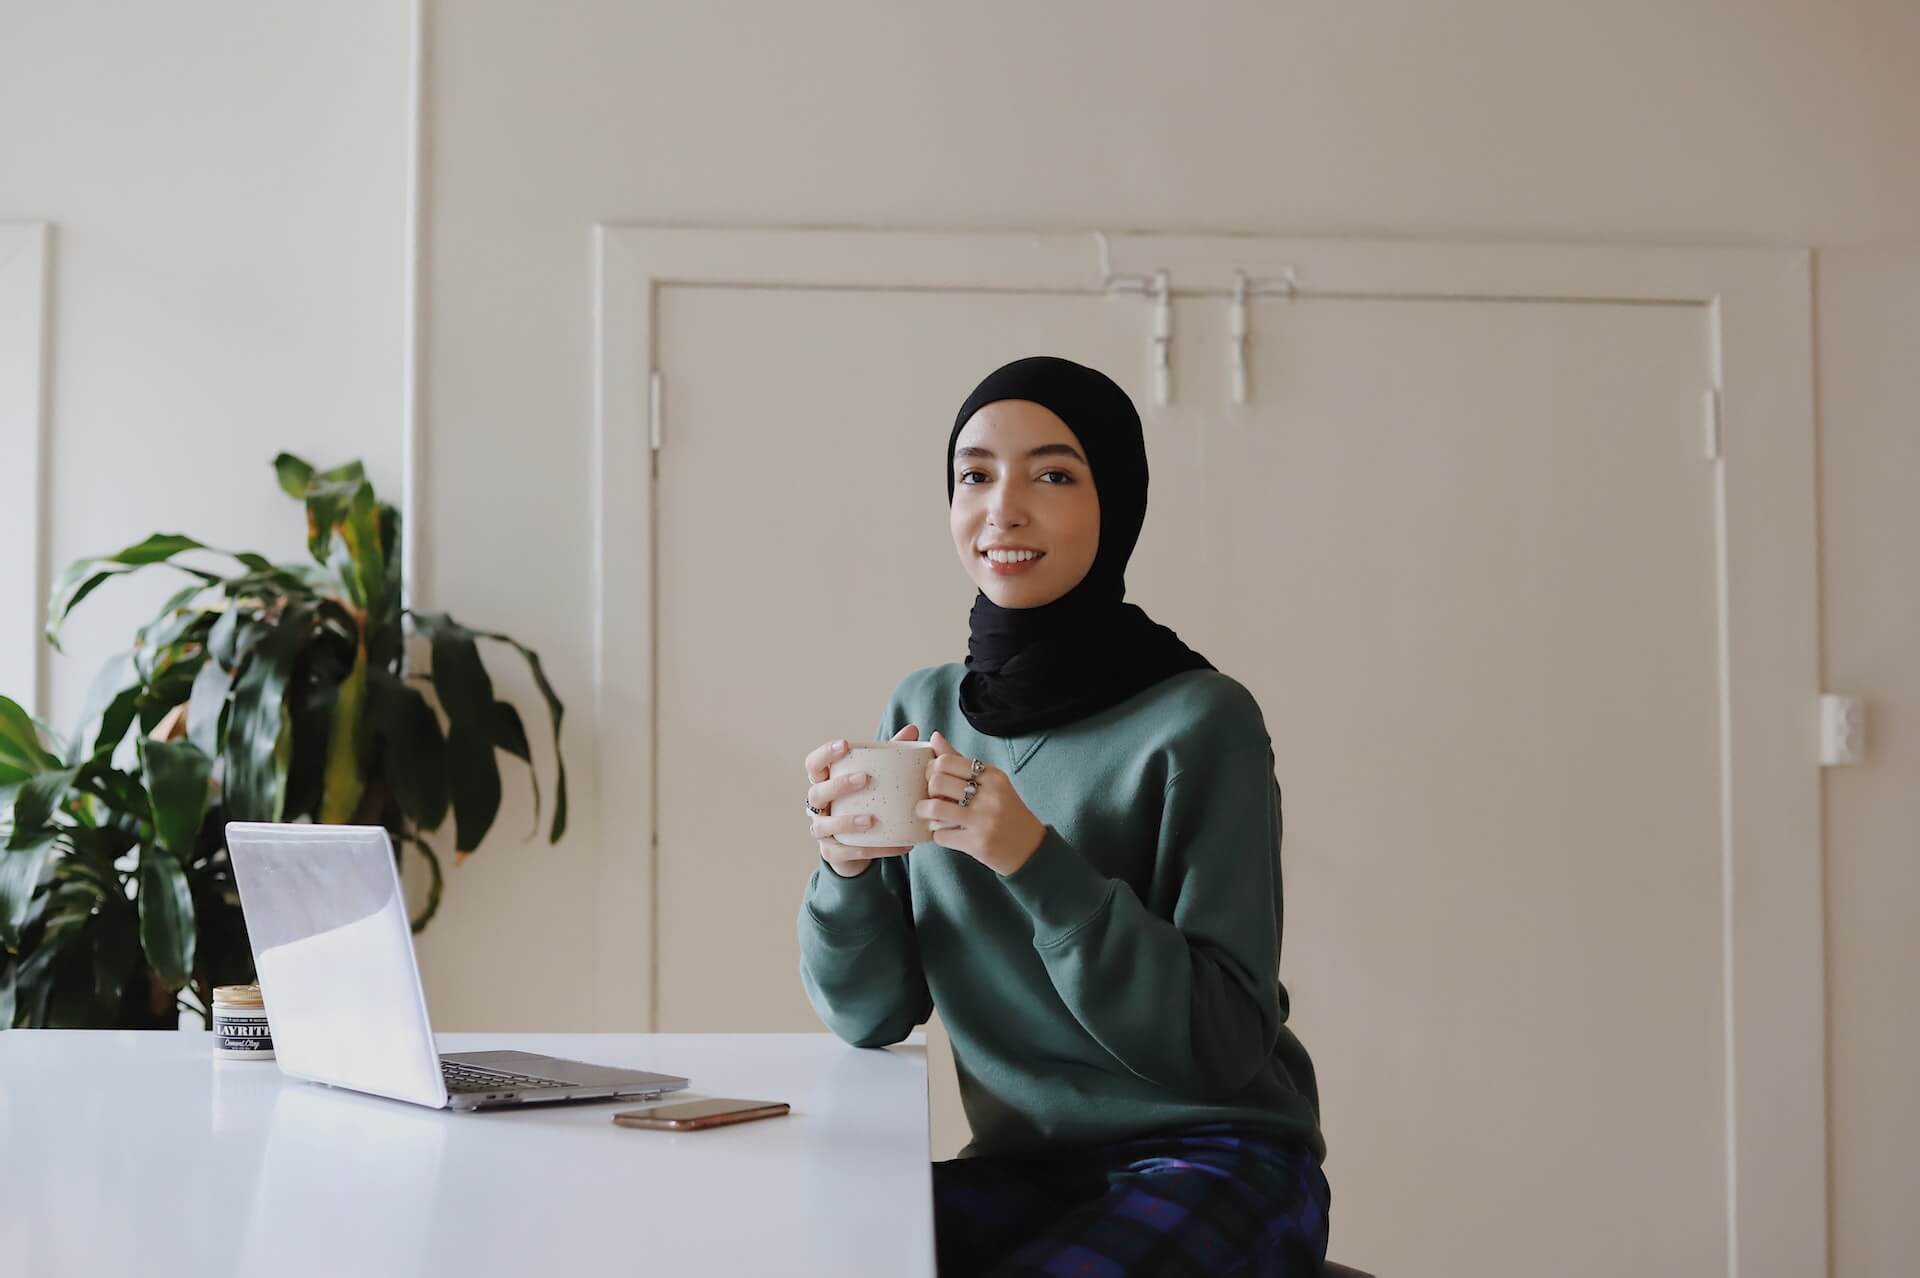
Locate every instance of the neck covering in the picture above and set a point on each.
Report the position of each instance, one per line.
(1031, 669)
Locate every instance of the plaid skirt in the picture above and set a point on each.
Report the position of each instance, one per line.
(1199, 1201)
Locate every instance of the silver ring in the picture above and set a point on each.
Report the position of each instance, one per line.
(814, 810)
(979, 766)
(966, 797)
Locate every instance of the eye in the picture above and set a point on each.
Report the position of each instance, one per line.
(1066, 477)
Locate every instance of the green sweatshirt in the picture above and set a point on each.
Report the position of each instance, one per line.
(1124, 980)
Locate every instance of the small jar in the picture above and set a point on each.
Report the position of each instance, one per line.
(240, 1024)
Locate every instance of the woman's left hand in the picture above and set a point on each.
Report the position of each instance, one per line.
(995, 828)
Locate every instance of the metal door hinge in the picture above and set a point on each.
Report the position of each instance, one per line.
(1843, 730)
(1157, 288)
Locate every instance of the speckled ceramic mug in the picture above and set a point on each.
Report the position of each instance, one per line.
(899, 781)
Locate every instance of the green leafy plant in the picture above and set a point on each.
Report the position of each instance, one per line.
(271, 692)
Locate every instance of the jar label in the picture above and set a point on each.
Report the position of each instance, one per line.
(243, 1034)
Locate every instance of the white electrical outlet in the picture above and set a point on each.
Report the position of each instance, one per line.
(1843, 730)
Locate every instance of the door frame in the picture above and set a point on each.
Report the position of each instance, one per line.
(1758, 304)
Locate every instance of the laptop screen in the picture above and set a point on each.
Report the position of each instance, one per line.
(334, 950)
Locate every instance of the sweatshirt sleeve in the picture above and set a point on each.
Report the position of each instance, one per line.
(859, 956)
(1134, 979)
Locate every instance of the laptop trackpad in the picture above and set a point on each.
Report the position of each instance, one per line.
(555, 1067)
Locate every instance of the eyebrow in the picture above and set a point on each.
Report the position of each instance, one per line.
(1045, 450)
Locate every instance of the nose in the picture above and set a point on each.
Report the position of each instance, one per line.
(1004, 509)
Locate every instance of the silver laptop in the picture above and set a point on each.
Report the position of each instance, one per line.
(334, 951)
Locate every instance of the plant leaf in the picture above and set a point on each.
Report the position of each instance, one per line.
(473, 783)
(255, 724)
(346, 745)
(310, 705)
(510, 734)
(157, 548)
(22, 870)
(231, 642)
(294, 475)
(126, 797)
(115, 722)
(434, 883)
(33, 806)
(153, 640)
(57, 611)
(432, 623)
(554, 711)
(360, 530)
(327, 501)
(277, 581)
(282, 762)
(93, 856)
(30, 979)
(83, 576)
(222, 638)
(390, 543)
(204, 704)
(177, 776)
(466, 694)
(21, 753)
(413, 751)
(114, 680)
(116, 946)
(167, 930)
(179, 599)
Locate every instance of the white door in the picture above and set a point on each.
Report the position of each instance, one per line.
(804, 567)
(1463, 552)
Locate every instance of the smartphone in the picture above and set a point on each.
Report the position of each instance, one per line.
(691, 1116)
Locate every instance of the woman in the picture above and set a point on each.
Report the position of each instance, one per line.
(1098, 914)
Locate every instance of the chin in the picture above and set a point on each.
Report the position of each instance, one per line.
(1026, 595)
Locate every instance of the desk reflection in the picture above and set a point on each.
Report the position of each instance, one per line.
(298, 1224)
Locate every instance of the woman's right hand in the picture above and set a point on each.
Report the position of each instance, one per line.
(846, 861)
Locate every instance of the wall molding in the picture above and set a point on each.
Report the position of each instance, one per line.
(413, 322)
(24, 265)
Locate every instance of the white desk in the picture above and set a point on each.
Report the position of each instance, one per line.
(126, 1152)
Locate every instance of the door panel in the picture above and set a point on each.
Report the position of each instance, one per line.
(805, 566)
(1462, 553)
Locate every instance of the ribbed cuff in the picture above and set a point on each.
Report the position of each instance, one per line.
(1058, 889)
(858, 904)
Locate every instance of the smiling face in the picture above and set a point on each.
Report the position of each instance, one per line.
(1021, 479)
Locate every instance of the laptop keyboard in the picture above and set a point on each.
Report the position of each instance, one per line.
(465, 1078)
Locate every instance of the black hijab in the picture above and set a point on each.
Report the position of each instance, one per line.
(1030, 669)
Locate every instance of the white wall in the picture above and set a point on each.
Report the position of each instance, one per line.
(227, 188)
(1722, 121)
(23, 322)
